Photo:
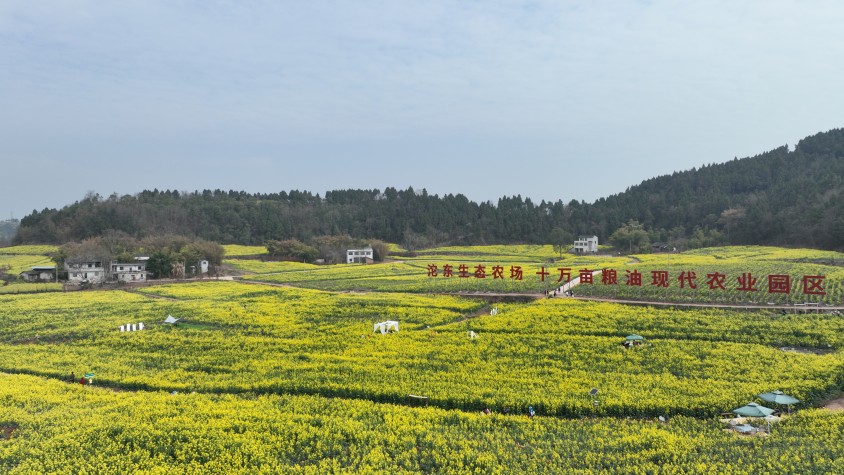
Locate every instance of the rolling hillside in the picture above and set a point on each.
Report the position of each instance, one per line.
(780, 197)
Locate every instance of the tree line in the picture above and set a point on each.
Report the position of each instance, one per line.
(781, 197)
(331, 249)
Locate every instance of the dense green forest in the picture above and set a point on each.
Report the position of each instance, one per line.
(780, 197)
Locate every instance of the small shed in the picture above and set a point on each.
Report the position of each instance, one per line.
(390, 326)
(39, 273)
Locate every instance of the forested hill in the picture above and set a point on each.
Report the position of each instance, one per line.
(779, 197)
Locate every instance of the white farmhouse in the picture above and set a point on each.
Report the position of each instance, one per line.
(129, 272)
(363, 256)
(586, 245)
(85, 271)
(94, 272)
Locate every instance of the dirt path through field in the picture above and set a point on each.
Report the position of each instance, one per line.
(835, 404)
(477, 313)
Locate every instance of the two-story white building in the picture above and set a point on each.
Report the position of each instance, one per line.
(586, 245)
(129, 272)
(362, 256)
(85, 272)
(94, 272)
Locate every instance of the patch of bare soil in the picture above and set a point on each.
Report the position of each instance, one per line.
(835, 404)
(480, 312)
(7, 430)
(26, 341)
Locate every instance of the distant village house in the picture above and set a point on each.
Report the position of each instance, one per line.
(360, 256)
(586, 245)
(129, 272)
(94, 272)
(85, 272)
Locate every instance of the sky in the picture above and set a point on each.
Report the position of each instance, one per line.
(552, 100)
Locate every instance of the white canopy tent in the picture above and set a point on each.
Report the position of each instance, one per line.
(386, 327)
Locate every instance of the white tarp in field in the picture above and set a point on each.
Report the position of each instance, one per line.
(170, 319)
(386, 327)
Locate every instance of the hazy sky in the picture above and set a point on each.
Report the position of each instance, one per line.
(547, 99)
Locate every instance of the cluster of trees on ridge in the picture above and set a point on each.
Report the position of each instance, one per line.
(331, 249)
(781, 197)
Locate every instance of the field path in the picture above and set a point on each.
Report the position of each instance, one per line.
(836, 405)
(561, 292)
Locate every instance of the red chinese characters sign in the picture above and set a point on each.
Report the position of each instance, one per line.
(746, 282)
